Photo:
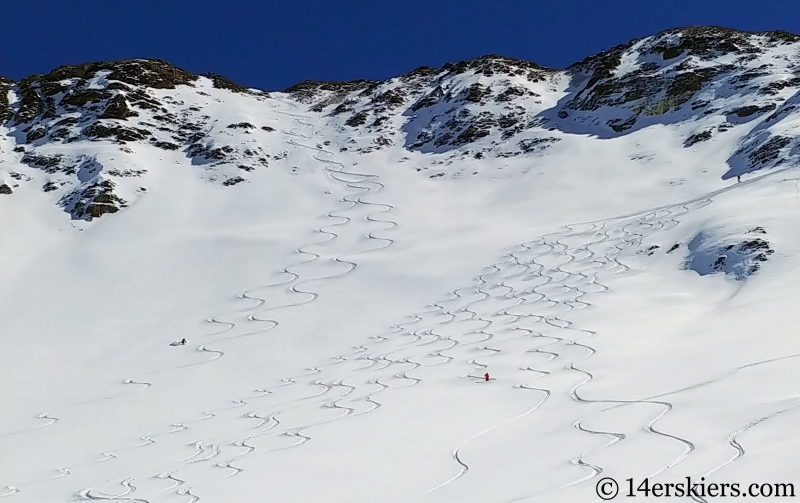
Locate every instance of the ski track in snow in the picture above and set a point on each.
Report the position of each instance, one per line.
(362, 184)
(737, 447)
(527, 291)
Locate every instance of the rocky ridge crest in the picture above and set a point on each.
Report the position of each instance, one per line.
(492, 106)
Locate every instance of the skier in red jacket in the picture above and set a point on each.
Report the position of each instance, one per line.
(486, 376)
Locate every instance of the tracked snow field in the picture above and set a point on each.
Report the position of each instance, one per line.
(602, 363)
(635, 311)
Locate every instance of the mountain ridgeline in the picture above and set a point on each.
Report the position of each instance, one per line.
(60, 129)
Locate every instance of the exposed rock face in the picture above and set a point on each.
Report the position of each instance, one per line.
(70, 85)
(48, 163)
(774, 142)
(118, 108)
(119, 133)
(221, 82)
(68, 109)
(5, 109)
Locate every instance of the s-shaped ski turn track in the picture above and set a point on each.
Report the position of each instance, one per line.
(565, 268)
(503, 307)
(363, 183)
(295, 280)
(521, 304)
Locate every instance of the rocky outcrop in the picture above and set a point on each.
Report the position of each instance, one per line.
(5, 109)
(221, 82)
(75, 85)
(772, 143)
(93, 200)
(740, 258)
(682, 70)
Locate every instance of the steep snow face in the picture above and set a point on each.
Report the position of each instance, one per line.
(347, 260)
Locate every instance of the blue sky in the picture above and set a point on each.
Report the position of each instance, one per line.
(274, 44)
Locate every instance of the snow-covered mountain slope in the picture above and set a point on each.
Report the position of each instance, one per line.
(346, 260)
